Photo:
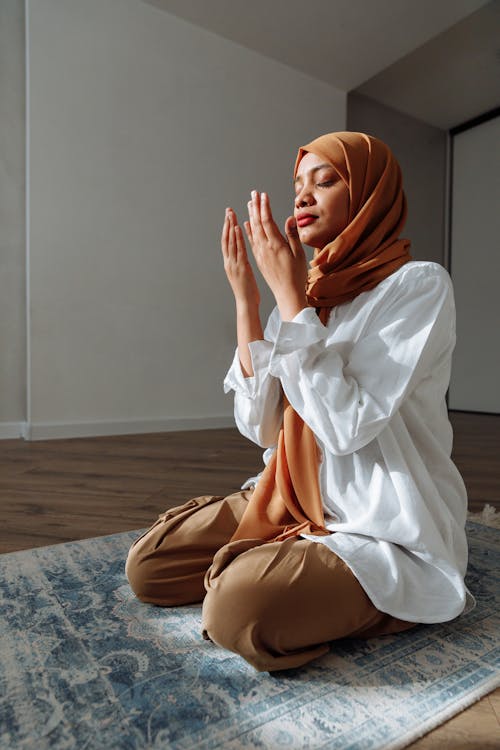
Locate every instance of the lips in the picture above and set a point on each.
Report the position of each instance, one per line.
(304, 219)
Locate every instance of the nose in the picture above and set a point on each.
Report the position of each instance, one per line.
(304, 197)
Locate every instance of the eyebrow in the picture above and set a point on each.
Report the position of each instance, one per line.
(314, 169)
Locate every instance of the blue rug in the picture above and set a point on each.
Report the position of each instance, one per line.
(85, 665)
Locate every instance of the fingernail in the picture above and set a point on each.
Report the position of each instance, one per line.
(254, 193)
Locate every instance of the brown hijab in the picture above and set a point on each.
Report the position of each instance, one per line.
(287, 499)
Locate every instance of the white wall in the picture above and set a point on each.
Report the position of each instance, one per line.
(12, 220)
(142, 129)
(421, 151)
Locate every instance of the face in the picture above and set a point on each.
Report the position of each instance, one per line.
(321, 202)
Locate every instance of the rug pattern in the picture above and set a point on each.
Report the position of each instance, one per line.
(85, 665)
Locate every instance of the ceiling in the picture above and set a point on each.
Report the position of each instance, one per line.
(452, 78)
(437, 60)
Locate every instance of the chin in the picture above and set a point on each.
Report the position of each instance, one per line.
(307, 235)
(310, 243)
(311, 239)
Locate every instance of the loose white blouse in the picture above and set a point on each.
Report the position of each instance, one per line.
(371, 385)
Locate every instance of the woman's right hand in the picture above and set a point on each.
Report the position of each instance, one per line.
(236, 265)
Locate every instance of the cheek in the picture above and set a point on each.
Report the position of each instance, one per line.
(339, 207)
(343, 208)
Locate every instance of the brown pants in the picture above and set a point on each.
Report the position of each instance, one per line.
(277, 604)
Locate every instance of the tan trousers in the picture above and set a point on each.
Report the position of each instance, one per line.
(277, 604)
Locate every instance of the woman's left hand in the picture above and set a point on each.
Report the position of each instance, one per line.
(281, 260)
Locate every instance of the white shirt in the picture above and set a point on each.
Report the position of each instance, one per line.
(371, 386)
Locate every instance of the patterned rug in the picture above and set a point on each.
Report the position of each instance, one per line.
(85, 665)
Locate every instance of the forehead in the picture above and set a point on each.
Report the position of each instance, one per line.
(310, 163)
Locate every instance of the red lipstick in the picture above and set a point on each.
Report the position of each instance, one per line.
(304, 219)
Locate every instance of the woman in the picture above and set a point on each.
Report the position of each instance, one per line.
(356, 525)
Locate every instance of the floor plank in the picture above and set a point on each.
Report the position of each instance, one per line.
(494, 701)
(57, 490)
(476, 728)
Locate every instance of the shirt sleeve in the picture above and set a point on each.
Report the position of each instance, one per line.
(347, 392)
(258, 408)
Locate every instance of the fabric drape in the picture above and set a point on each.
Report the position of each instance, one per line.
(287, 499)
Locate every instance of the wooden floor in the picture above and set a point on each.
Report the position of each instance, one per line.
(61, 490)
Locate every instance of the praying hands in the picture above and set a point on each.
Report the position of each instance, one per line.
(281, 260)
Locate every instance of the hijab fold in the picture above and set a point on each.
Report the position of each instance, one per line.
(287, 499)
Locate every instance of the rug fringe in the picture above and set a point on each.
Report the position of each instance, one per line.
(488, 517)
(448, 713)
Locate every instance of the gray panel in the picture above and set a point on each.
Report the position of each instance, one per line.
(475, 268)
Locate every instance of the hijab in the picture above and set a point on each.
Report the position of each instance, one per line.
(287, 499)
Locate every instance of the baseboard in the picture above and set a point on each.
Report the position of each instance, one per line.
(12, 430)
(59, 430)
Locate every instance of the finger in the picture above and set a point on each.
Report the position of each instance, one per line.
(292, 233)
(248, 231)
(225, 234)
(232, 252)
(232, 216)
(240, 243)
(254, 216)
(234, 227)
(240, 251)
(269, 225)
